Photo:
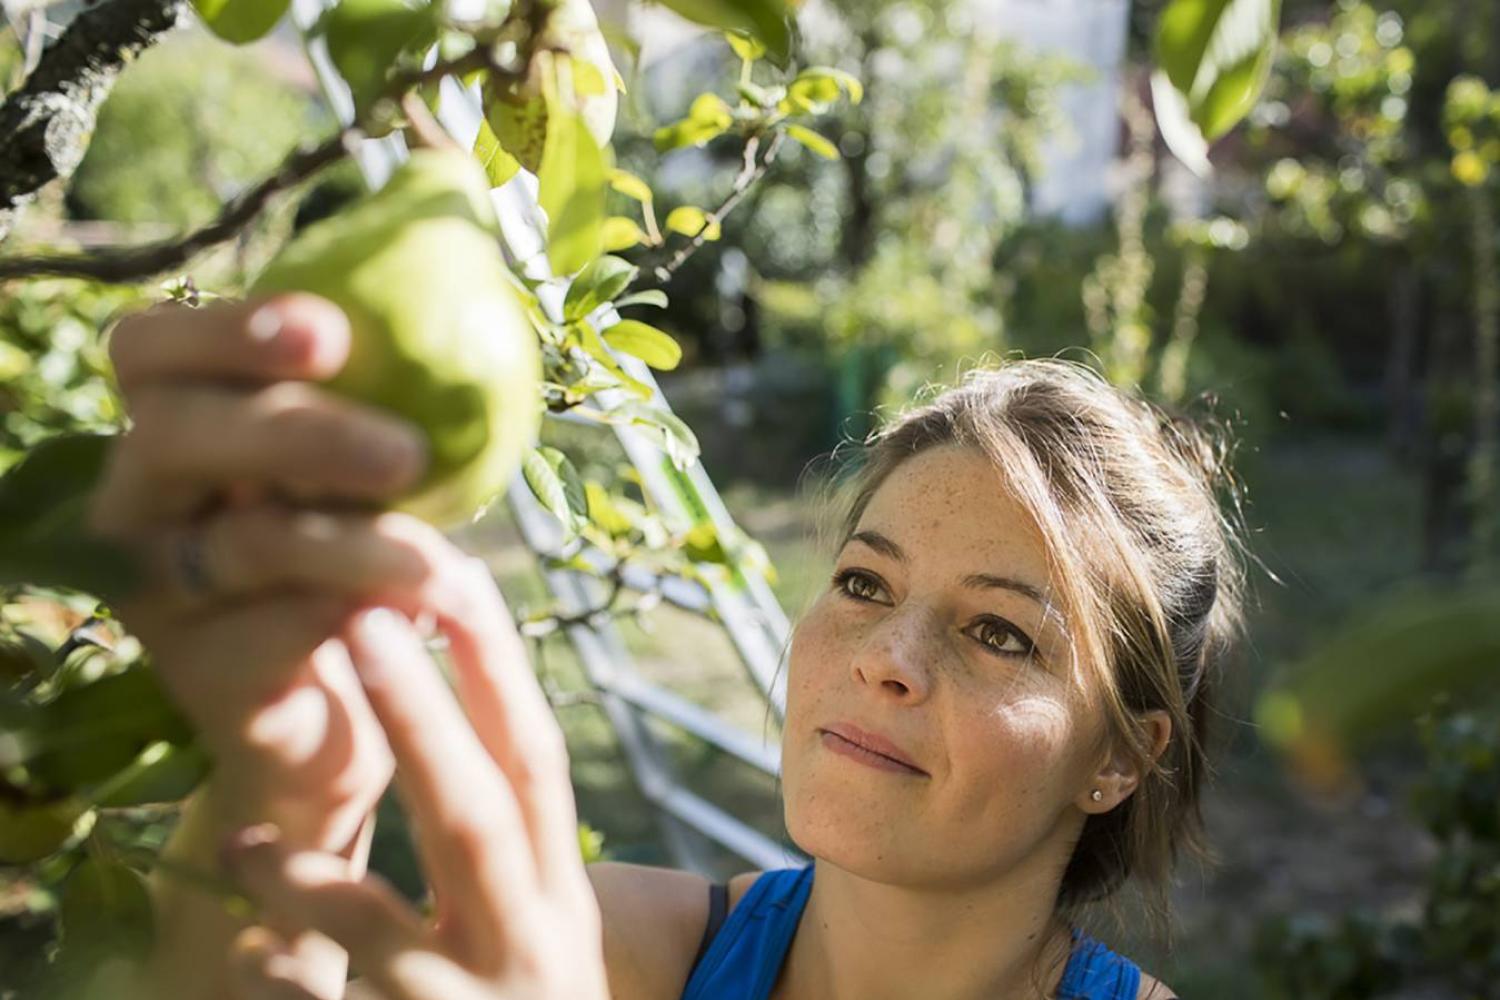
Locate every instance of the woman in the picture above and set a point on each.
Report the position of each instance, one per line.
(996, 711)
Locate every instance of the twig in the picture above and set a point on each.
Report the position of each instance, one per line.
(752, 169)
(129, 264)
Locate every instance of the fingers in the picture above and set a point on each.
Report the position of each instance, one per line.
(262, 967)
(312, 890)
(513, 718)
(292, 435)
(294, 336)
(270, 547)
(471, 835)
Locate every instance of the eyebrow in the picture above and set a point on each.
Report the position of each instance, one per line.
(887, 547)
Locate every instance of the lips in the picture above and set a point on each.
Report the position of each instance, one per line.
(873, 742)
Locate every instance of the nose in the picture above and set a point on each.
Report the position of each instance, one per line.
(896, 656)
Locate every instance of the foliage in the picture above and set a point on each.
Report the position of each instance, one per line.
(190, 125)
(1455, 942)
(54, 374)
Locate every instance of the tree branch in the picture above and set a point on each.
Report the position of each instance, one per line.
(127, 264)
(47, 122)
(752, 169)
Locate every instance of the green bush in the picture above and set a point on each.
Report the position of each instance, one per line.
(187, 127)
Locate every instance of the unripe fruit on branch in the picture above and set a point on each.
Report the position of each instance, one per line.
(438, 333)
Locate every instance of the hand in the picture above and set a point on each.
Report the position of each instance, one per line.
(225, 420)
(495, 823)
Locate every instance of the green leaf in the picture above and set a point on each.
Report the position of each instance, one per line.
(813, 141)
(674, 436)
(367, 38)
(763, 20)
(1216, 56)
(630, 185)
(572, 186)
(104, 910)
(597, 349)
(43, 506)
(646, 342)
(164, 772)
(690, 221)
(95, 731)
(650, 297)
(604, 278)
(499, 166)
(1378, 670)
(241, 21)
(622, 233)
(556, 485)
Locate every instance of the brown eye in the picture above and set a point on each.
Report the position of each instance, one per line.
(1002, 638)
(859, 586)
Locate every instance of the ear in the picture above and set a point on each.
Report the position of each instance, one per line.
(1118, 776)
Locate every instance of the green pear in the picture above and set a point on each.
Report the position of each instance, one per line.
(241, 21)
(517, 111)
(438, 333)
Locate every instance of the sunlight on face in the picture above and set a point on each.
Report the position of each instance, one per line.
(935, 635)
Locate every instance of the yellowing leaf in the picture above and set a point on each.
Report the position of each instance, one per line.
(745, 46)
(621, 233)
(813, 141)
(629, 185)
(690, 221)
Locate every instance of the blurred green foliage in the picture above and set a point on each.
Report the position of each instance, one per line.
(1454, 943)
(54, 370)
(191, 125)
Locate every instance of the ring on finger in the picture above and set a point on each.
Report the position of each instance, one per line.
(190, 560)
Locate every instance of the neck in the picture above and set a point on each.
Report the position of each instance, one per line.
(869, 940)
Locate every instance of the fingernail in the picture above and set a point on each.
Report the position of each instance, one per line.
(380, 626)
(265, 323)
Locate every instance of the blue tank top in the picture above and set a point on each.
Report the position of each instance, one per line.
(745, 957)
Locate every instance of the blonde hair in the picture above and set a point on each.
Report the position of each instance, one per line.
(1146, 564)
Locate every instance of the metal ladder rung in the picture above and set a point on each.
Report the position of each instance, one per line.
(677, 710)
(744, 840)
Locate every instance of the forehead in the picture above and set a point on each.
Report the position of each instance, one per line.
(953, 504)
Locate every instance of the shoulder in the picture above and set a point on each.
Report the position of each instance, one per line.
(1154, 989)
(653, 921)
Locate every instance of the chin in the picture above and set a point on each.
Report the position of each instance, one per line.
(850, 821)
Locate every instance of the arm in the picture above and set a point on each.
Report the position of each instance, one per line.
(653, 919)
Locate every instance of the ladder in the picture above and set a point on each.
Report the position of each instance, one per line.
(695, 830)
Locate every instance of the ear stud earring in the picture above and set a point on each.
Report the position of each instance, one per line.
(1096, 795)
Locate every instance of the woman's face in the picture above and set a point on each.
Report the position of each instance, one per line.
(935, 636)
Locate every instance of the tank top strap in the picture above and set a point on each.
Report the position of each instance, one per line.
(1094, 972)
(744, 958)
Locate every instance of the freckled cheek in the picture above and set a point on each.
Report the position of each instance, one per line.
(1015, 754)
